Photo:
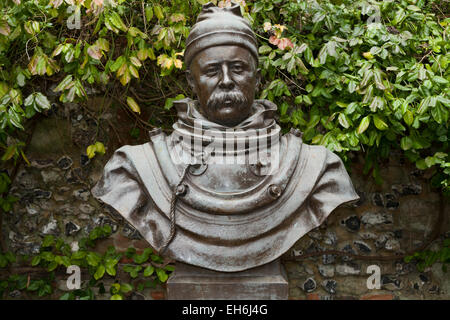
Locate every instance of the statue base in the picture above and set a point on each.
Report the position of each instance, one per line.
(267, 282)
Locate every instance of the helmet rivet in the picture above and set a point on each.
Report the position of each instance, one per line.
(274, 191)
(181, 190)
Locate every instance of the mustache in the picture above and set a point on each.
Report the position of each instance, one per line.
(217, 99)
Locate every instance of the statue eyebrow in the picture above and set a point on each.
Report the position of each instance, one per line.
(239, 61)
(217, 63)
(211, 64)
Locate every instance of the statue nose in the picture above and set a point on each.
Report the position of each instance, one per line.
(226, 82)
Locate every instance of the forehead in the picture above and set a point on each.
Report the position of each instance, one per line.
(220, 54)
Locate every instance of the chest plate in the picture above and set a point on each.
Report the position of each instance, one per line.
(218, 188)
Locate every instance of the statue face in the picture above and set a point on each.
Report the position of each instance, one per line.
(224, 79)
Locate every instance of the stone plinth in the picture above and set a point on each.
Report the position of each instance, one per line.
(267, 282)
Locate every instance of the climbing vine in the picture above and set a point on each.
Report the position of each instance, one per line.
(57, 255)
(367, 77)
(427, 258)
(355, 76)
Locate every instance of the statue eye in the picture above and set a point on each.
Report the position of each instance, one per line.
(211, 71)
(237, 68)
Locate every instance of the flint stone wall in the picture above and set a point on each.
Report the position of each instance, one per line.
(390, 219)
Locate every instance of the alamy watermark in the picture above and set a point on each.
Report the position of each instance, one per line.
(374, 281)
(74, 19)
(74, 280)
(256, 147)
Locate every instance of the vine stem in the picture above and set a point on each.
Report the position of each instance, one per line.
(12, 177)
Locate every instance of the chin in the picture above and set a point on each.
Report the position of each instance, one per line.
(229, 116)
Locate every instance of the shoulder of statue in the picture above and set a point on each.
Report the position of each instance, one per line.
(332, 183)
(123, 166)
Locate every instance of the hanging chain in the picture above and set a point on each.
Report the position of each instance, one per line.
(173, 203)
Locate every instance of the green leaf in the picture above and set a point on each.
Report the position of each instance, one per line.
(66, 296)
(424, 104)
(99, 272)
(65, 261)
(93, 259)
(48, 241)
(52, 266)
(307, 100)
(29, 100)
(162, 275)
(115, 287)
(91, 151)
(440, 114)
(148, 271)
(34, 285)
(364, 124)
(366, 78)
(94, 52)
(406, 143)
(430, 161)
(377, 103)
(378, 80)
(156, 258)
(117, 64)
(111, 270)
(133, 105)
(443, 100)
(78, 255)
(148, 13)
(66, 83)
(117, 21)
(343, 120)
(139, 259)
(10, 152)
(440, 80)
(379, 123)
(135, 61)
(421, 164)
(47, 289)
(42, 101)
(47, 256)
(264, 49)
(169, 268)
(110, 266)
(3, 261)
(125, 287)
(158, 12)
(135, 272)
(4, 27)
(351, 108)
(95, 233)
(116, 297)
(102, 44)
(408, 117)
(100, 148)
(69, 55)
(35, 261)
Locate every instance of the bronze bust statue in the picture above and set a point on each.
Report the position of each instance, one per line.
(226, 190)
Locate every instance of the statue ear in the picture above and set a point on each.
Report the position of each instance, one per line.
(258, 78)
(190, 81)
